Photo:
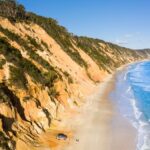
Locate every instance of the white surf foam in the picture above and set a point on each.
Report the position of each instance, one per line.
(135, 115)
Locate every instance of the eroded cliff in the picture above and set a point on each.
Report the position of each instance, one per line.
(46, 72)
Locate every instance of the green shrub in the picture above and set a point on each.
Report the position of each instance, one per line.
(2, 62)
(30, 51)
(92, 48)
(3, 97)
(45, 45)
(70, 80)
(53, 92)
(34, 43)
(12, 10)
(5, 142)
(66, 74)
(17, 77)
(60, 34)
(50, 77)
(14, 56)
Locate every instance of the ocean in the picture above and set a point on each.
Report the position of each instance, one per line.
(132, 99)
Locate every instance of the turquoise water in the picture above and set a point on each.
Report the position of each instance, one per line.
(132, 95)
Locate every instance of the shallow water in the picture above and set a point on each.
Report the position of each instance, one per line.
(132, 96)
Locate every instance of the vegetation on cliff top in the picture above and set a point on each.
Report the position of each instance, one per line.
(16, 12)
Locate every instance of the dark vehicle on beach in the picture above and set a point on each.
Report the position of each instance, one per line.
(61, 136)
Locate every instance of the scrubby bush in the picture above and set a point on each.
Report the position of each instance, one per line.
(2, 62)
(6, 143)
(17, 77)
(14, 56)
(35, 43)
(70, 80)
(53, 92)
(92, 48)
(12, 10)
(30, 50)
(45, 45)
(60, 34)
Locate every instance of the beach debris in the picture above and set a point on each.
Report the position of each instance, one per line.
(61, 136)
(77, 140)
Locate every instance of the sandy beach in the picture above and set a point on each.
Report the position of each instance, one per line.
(99, 126)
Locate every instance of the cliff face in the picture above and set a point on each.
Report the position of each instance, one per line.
(45, 72)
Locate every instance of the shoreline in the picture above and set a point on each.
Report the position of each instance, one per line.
(123, 133)
(99, 126)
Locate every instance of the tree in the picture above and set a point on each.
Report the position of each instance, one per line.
(12, 10)
(8, 8)
(20, 12)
